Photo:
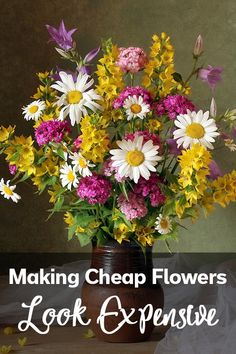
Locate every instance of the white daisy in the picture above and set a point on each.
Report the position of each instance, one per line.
(76, 96)
(135, 159)
(8, 191)
(163, 224)
(68, 176)
(81, 164)
(195, 127)
(34, 110)
(136, 107)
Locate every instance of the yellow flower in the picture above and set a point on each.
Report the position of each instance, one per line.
(110, 76)
(144, 235)
(8, 330)
(68, 218)
(153, 125)
(22, 341)
(158, 72)
(120, 233)
(79, 230)
(95, 141)
(21, 153)
(5, 349)
(6, 132)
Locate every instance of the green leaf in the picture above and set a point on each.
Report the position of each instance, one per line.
(177, 77)
(84, 239)
(61, 153)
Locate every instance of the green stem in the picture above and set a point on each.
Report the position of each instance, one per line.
(193, 72)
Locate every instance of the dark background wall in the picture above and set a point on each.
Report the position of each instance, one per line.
(24, 51)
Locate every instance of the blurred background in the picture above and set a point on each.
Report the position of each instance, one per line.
(25, 51)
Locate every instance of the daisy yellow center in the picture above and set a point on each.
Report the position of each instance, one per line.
(135, 157)
(70, 176)
(33, 109)
(82, 163)
(74, 97)
(7, 190)
(164, 223)
(136, 108)
(195, 131)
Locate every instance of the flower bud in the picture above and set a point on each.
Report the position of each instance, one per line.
(198, 48)
(213, 108)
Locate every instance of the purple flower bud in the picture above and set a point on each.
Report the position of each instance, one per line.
(213, 108)
(61, 36)
(173, 148)
(91, 55)
(84, 69)
(215, 171)
(210, 75)
(198, 48)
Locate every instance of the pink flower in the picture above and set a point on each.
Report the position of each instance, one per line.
(77, 142)
(108, 170)
(150, 188)
(52, 130)
(12, 169)
(94, 189)
(132, 59)
(132, 91)
(210, 75)
(146, 137)
(173, 106)
(134, 207)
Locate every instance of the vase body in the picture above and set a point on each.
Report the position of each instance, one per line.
(125, 258)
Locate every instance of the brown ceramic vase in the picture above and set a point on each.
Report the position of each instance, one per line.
(125, 258)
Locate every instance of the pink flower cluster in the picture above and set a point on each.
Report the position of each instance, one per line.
(132, 91)
(146, 137)
(149, 188)
(134, 207)
(52, 130)
(12, 169)
(132, 59)
(94, 189)
(108, 170)
(173, 106)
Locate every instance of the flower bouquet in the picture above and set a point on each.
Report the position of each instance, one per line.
(125, 155)
(121, 150)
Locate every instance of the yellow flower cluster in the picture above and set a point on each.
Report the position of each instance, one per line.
(110, 78)
(144, 235)
(5, 133)
(159, 70)
(224, 189)
(21, 153)
(95, 141)
(192, 181)
(49, 166)
(120, 233)
(48, 95)
(153, 125)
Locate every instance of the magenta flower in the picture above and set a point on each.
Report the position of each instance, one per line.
(134, 207)
(94, 189)
(211, 75)
(150, 188)
(61, 36)
(12, 169)
(132, 59)
(132, 91)
(52, 130)
(173, 106)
